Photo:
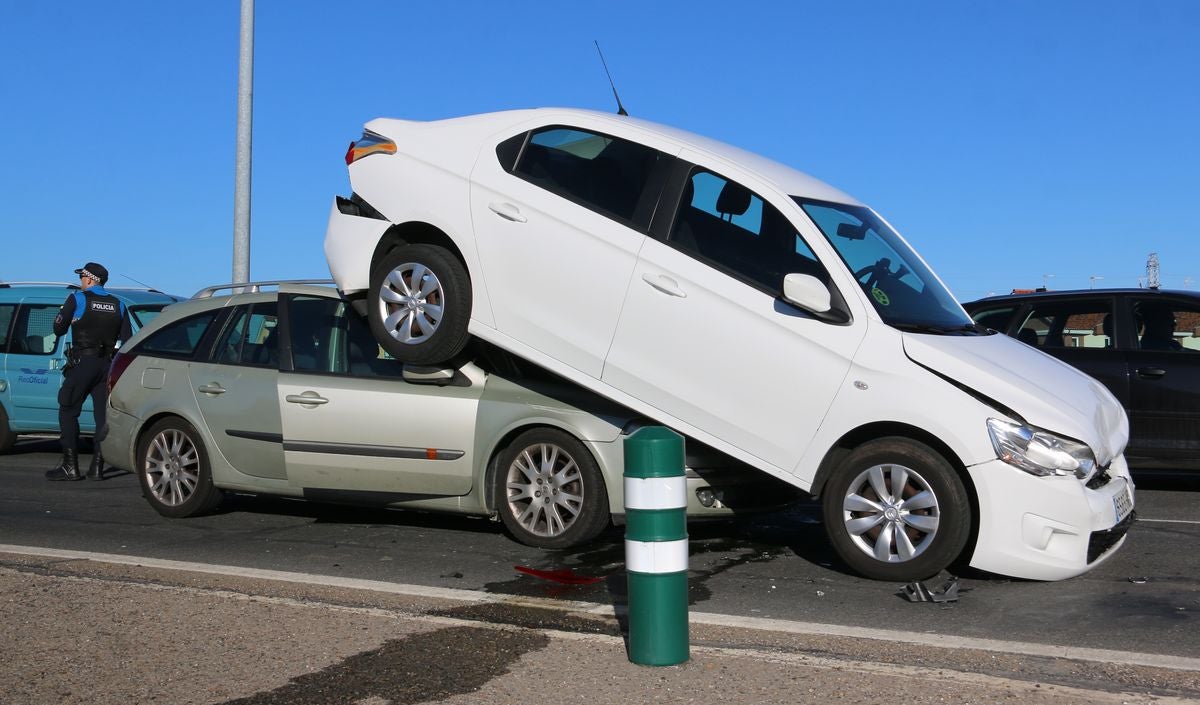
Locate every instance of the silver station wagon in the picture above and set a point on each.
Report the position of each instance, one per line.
(286, 392)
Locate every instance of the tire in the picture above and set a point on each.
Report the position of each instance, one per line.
(426, 325)
(933, 511)
(174, 471)
(7, 437)
(549, 490)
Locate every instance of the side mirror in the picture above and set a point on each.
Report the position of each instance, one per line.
(807, 292)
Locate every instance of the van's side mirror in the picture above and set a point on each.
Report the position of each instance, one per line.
(807, 292)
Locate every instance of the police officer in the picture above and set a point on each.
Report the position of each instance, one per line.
(97, 320)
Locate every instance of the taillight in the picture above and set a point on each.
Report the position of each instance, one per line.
(370, 143)
(120, 363)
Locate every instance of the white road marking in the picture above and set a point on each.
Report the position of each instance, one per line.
(944, 641)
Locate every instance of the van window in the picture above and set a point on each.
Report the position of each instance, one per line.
(995, 318)
(1167, 326)
(726, 224)
(6, 318)
(1074, 324)
(178, 339)
(250, 337)
(33, 332)
(606, 174)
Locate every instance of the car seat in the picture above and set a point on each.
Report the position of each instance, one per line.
(1028, 336)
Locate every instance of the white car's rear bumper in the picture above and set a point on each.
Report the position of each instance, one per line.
(1047, 528)
(349, 242)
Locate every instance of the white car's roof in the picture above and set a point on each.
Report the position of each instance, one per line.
(785, 178)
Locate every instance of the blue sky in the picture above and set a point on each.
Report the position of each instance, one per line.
(1006, 140)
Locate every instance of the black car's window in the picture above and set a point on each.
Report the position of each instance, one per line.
(249, 339)
(6, 319)
(327, 337)
(995, 318)
(178, 339)
(33, 331)
(1167, 325)
(1075, 324)
(606, 174)
(726, 224)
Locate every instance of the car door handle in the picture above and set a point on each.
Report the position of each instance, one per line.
(507, 211)
(665, 284)
(1151, 372)
(211, 388)
(307, 398)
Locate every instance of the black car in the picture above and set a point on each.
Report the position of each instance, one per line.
(1143, 344)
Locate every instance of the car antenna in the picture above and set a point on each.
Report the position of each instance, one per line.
(135, 281)
(620, 108)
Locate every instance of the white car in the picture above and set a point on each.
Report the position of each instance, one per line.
(748, 306)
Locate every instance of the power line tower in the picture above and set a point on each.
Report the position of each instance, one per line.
(1152, 271)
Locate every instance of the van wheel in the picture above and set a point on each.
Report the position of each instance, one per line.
(549, 491)
(173, 469)
(896, 510)
(421, 304)
(7, 437)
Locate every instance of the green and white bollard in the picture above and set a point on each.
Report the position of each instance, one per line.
(656, 547)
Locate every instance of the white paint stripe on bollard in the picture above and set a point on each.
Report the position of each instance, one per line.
(656, 556)
(655, 492)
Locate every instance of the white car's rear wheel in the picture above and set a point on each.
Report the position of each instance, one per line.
(420, 304)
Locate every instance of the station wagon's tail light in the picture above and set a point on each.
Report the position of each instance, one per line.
(369, 143)
(120, 363)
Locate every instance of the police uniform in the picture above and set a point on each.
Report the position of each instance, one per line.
(97, 320)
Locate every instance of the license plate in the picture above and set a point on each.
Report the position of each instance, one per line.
(1123, 502)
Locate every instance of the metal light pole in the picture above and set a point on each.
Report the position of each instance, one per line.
(241, 186)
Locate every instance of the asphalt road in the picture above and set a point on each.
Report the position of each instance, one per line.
(778, 566)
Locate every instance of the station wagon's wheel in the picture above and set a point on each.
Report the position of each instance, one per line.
(173, 468)
(7, 437)
(420, 304)
(896, 510)
(549, 491)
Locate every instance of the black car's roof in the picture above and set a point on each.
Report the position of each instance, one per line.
(1076, 293)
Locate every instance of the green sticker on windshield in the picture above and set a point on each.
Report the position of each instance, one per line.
(880, 296)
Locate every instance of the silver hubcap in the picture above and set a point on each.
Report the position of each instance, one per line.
(545, 489)
(891, 513)
(172, 467)
(410, 301)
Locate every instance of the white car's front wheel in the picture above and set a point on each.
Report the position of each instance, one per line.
(896, 510)
(420, 304)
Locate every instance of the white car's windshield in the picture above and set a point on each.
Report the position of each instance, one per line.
(901, 288)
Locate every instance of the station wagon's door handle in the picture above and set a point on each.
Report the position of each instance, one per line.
(507, 211)
(211, 388)
(307, 398)
(1151, 372)
(665, 284)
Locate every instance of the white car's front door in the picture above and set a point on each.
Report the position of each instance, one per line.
(705, 338)
(558, 239)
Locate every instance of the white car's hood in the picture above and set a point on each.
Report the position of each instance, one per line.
(1046, 392)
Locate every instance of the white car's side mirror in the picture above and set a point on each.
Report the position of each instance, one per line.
(807, 292)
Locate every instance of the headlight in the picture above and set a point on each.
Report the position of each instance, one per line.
(1039, 452)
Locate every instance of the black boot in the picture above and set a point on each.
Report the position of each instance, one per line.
(96, 469)
(68, 469)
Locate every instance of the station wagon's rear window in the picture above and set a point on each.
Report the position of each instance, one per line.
(178, 339)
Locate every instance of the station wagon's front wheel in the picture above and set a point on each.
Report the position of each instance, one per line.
(550, 492)
(896, 510)
(173, 469)
(420, 304)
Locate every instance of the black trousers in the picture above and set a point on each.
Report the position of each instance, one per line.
(89, 377)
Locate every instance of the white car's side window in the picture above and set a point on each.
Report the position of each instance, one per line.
(606, 174)
(724, 223)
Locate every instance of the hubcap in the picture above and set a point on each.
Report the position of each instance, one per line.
(891, 513)
(545, 489)
(410, 303)
(172, 467)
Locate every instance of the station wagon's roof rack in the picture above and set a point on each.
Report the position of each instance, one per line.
(253, 287)
(7, 285)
